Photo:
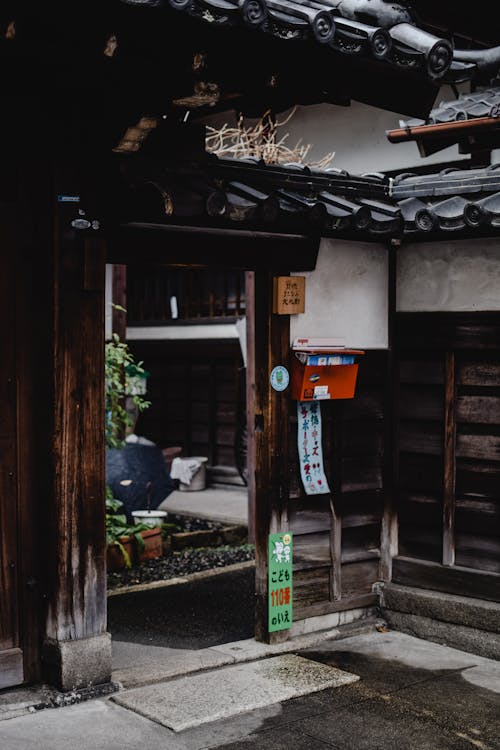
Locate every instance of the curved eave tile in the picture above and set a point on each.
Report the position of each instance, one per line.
(390, 35)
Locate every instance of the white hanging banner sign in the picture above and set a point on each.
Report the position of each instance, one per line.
(310, 451)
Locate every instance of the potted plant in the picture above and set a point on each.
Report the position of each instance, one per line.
(127, 542)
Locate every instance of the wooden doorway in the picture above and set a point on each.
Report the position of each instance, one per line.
(19, 581)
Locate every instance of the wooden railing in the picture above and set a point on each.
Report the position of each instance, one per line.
(167, 295)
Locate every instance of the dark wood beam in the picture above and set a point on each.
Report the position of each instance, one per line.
(455, 580)
(164, 244)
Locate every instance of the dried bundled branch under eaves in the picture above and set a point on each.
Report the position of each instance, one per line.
(262, 141)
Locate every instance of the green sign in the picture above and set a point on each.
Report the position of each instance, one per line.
(280, 581)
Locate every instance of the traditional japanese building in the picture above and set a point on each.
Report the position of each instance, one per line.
(104, 162)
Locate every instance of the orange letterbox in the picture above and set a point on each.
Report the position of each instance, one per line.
(319, 374)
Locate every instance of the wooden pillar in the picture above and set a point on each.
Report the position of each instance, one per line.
(450, 429)
(250, 399)
(268, 438)
(77, 649)
(335, 506)
(389, 532)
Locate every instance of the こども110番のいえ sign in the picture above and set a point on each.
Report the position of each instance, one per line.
(280, 582)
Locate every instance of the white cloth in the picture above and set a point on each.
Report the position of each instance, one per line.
(184, 469)
(134, 439)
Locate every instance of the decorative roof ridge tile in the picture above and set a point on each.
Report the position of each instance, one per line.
(376, 29)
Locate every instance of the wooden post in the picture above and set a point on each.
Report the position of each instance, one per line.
(449, 462)
(389, 532)
(250, 399)
(335, 506)
(269, 440)
(77, 649)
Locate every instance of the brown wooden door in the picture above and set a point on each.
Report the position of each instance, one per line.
(448, 435)
(11, 657)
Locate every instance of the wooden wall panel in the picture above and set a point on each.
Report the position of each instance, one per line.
(11, 656)
(449, 445)
(340, 535)
(194, 387)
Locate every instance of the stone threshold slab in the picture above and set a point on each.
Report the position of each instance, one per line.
(135, 665)
(198, 699)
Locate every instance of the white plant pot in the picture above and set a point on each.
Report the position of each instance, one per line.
(149, 517)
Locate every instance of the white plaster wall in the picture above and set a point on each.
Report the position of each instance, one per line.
(449, 276)
(346, 295)
(356, 133)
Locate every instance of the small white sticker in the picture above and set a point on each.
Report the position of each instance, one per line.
(320, 390)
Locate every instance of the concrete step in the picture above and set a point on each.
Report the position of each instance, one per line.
(471, 625)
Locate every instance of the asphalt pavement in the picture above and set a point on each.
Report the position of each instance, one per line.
(411, 695)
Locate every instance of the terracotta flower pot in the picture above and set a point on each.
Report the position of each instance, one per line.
(114, 556)
(153, 546)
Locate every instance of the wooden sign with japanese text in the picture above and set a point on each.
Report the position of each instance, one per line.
(280, 581)
(289, 295)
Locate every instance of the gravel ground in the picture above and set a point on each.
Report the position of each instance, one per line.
(181, 563)
(186, 523)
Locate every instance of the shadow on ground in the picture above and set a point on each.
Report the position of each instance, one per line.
(200, 614)
(393, 707)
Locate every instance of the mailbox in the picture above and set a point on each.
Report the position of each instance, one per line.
(322, 372)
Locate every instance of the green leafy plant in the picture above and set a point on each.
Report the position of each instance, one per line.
(120, 370)
(117, 527)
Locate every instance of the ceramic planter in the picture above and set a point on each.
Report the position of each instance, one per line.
(153, 546)
(114, 556)
(149, 517)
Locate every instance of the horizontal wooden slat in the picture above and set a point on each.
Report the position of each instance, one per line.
(310, 587)
(478, 409)
(312, 550)
(342, 605)
(359, 577)
(478, 374)
(359, 555)
(452, 580)
(422, 373)
(365, 405)
(478, 478)
(480, 547)
(421, 513)
(421, 437)
(477, 515)
(421, 543)
(363, 473)
(420, 473)
(484, 447)
(11, 668)
(421, 403)
(446, 332)
(362, 439)
(360, 539)
(304, 522)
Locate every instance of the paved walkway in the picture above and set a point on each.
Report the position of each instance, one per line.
(411, 695)
(228, 505)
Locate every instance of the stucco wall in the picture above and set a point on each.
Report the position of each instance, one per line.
(346, 295)
(452, 276)
(356, 134)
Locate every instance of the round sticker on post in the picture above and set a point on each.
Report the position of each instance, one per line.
(280, 378)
